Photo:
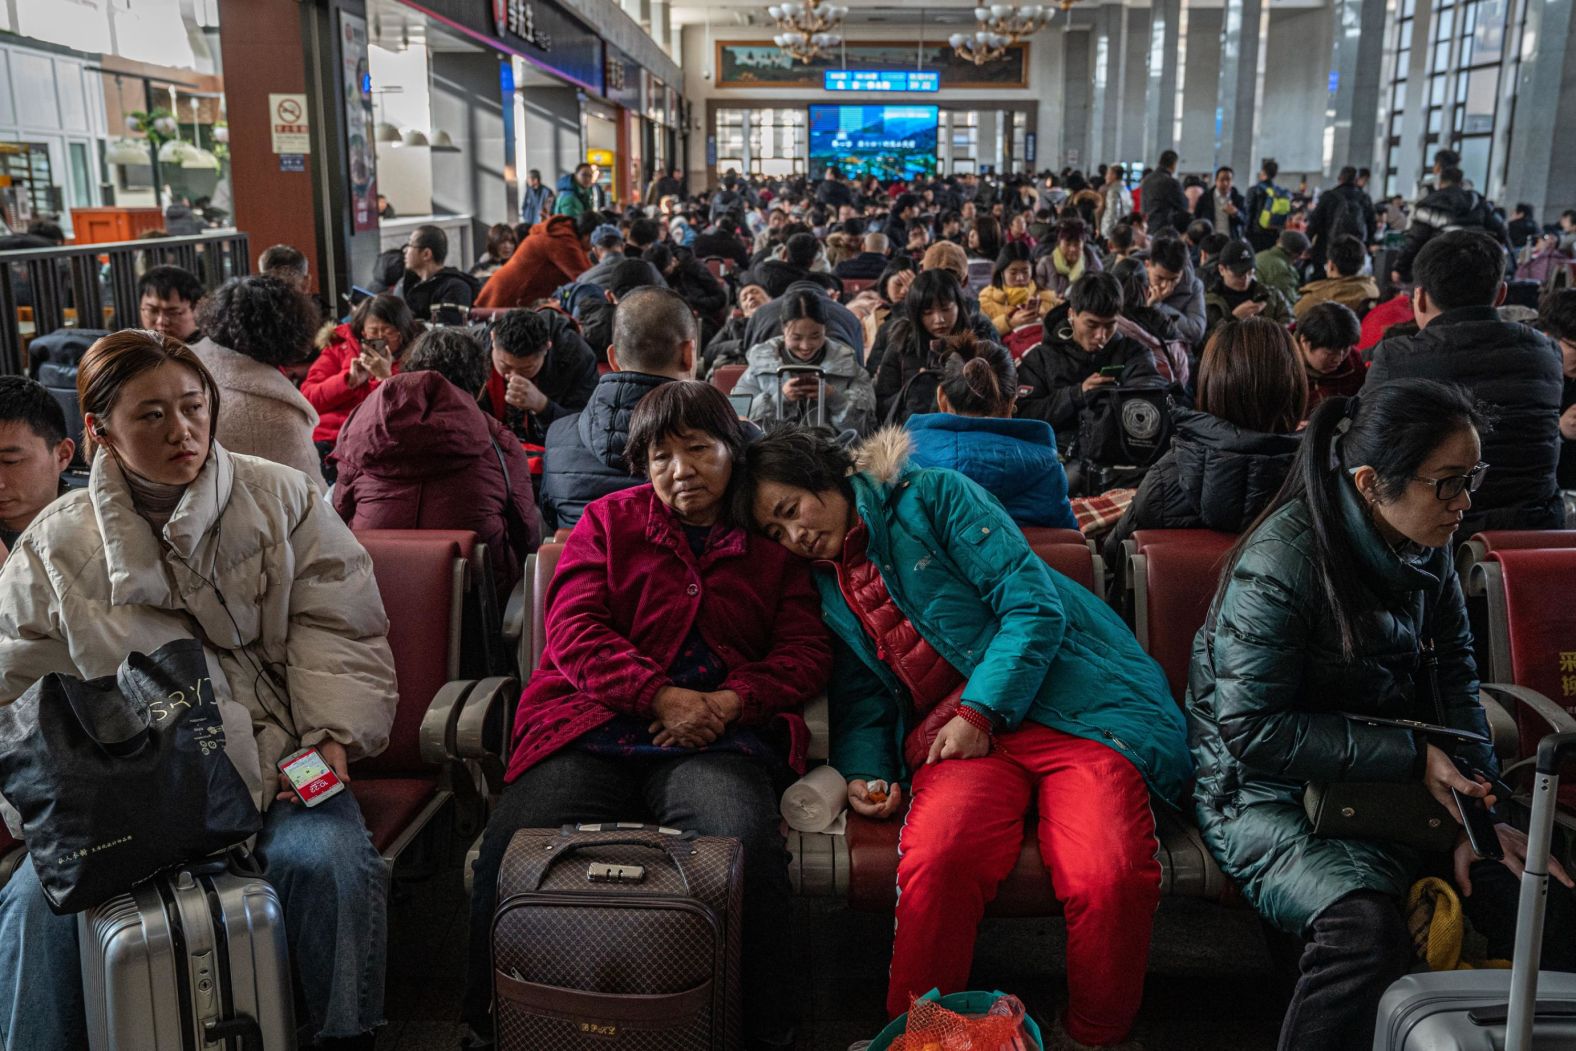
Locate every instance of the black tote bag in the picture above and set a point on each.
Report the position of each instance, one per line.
(120, 777)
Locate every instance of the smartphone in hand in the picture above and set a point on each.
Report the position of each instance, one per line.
(311, 777)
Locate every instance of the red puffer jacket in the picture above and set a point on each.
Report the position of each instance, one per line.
(551, 255)
(627, 591)
(327, 384)
(421, 454)
(935, 686)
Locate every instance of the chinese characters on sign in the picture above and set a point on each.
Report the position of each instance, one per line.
(1568, 676)
(519, 18)
(288, 119)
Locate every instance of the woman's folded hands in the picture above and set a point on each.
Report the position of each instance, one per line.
(691, 718)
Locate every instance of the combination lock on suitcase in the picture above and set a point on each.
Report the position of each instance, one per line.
(1519, 1010)
(195, 958)
(618, 936)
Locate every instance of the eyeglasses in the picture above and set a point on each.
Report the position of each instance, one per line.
(1452, 486)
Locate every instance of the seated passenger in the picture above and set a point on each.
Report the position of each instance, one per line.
(252, 327)
(1325, 607)
(850, 399)
(1069, 260)
(1235, 294)
(905, 363)
(1228, 457)
(679, 650)
(890, 288)
(421, 454)
(142, 549)
(1460, 280)
(34, 453)
(1327, 337)
(167, 298)
(541, 370)
(585, 459)
(974, 433)
(1175, 289)
(1081, 343)
(995, 684)
(727, 346)
(433, 291)
(360, 354)
(1344, 281)
(1013, 300)
(1558, 322)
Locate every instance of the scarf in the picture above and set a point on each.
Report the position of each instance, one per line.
(1071, 272)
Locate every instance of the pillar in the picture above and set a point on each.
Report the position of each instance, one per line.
(1162, 94)
(1542, 142)
(273, 206)
(1078, 73)
(1243, 36)
(1351, 121)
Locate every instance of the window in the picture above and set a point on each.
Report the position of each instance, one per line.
(762, 141)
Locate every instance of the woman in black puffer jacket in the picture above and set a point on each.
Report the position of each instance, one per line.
(1229, 457)
(905, 368)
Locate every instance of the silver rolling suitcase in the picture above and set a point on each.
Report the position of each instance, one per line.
(1517, 1010)
(193, 959)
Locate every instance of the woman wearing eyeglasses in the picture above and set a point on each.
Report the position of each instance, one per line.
(1326, 608)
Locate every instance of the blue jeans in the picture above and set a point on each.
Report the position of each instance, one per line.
(713, 793)
(334, 889)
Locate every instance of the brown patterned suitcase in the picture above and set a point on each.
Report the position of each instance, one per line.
(618, 936)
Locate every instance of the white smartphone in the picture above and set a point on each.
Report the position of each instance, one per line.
(311, 777)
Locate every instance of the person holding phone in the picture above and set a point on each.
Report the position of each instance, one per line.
(1325, 610)
(360, 354)
(789, 374)
(987, 682)
(177, 537)
(1081, 352)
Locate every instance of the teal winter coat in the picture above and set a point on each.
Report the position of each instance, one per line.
(1266, 690)
(1031, 643)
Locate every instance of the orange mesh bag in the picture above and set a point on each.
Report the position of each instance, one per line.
(961, 1025)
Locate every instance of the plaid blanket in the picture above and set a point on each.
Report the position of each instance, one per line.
(1097, 514)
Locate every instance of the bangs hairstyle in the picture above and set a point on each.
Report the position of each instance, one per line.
(794, 456)
(392, 311)
(120, 357)
(678, 406)
(1016, 252)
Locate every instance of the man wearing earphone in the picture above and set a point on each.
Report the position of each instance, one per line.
(175, 537)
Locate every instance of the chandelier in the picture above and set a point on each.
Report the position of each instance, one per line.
(1001, 25)
(807, 29)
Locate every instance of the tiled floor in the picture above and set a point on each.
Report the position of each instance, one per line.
(1209, 987)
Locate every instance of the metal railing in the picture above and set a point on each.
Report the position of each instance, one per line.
(95, 286)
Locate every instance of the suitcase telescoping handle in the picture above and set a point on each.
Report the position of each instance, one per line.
(1552, 751)
(678, 846)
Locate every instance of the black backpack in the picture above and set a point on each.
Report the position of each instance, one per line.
(1349, 220)
(52, 360)
(1127, 425)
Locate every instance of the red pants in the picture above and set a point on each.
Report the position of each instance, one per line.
(963, 835)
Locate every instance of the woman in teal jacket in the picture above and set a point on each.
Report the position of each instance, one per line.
(965, 665)
(1326, 608)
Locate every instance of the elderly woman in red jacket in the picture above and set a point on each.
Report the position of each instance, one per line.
(680, 648)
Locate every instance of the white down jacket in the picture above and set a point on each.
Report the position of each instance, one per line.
(89, 583)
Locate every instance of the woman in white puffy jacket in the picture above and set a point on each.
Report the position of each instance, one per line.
(176, 538)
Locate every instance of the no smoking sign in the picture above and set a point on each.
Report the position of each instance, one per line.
(288, 120)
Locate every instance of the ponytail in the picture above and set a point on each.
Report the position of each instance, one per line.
(977, 376)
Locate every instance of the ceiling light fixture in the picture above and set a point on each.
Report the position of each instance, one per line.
(807, 29)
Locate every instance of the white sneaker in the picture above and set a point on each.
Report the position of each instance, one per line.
(860, 1045)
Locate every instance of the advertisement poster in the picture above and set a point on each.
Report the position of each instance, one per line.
(360, 151)
(760, 63)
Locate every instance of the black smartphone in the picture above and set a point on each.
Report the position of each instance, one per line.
(1476, 818)
(1113, 371)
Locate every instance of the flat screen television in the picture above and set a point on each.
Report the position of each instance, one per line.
(889, 142)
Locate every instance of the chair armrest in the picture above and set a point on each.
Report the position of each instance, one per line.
(1557, 718)
(438, 725)
(485, 731)
(514, 612)
(483, 728)
(1502, 728)
(817, 717)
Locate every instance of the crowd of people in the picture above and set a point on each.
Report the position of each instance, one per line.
(793, 430)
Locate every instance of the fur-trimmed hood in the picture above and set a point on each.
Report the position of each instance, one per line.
(884, 454)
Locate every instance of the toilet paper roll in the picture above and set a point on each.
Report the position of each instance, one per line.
(813, 803)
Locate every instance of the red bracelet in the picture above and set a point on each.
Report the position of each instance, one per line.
(976, 718)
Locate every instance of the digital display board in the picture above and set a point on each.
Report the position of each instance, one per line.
(889, 142)
(881, 80)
